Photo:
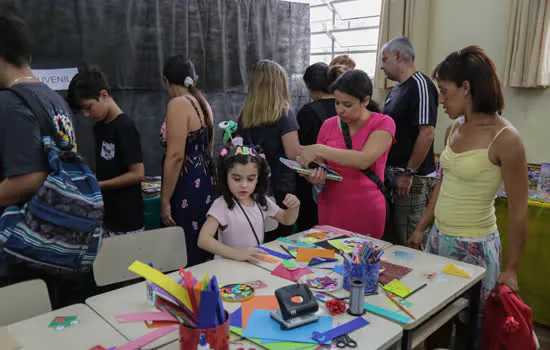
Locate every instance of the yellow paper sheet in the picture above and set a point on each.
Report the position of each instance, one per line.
(398, 288)
(339, 244)
(162, 281)
(452, 269)
(310, 240)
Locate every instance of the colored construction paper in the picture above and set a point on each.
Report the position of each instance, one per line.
(257, 284)
(262, 326)
(332, 229)
(267, 258)
(392, 272)
(318, 235)
(309, 240)
(291, 275)
(398, 288)
(236, 318)
(407, 304)
(403, 255)
(289, 264)
(62, 322)
(208, 313)
(339, 269)
(295, 242)
(278, 345)
(263, 302)
(387, 313)
(306, 254)
(274, 253)
(452, 269)
(162, 281)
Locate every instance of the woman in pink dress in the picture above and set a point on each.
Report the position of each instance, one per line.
(355, 204)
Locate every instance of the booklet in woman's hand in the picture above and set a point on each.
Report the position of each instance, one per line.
(294, 165)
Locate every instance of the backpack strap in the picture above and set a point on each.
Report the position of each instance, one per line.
(368, 172)
(45, 122)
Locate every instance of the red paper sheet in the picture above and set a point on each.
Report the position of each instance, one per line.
(392, 271)
(292, 275)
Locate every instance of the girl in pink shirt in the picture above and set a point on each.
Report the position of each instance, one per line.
(355, 204)
(238, 214)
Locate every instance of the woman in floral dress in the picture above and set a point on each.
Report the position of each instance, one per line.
(188, 176)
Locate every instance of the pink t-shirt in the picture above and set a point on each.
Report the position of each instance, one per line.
(355, 204)
(238, 233)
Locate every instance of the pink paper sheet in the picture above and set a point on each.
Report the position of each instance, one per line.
(292, 275)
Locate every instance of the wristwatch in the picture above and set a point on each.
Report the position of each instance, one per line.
(409, 172)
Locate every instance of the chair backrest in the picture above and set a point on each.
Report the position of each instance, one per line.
(165, 248)
(23, 300)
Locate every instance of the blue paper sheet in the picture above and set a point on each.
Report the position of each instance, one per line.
(236, 318)
(339, 269)
(261, 325)
(403, 255)
(274, 253)
(387, 313)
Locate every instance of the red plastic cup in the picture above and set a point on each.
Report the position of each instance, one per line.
(217, 338)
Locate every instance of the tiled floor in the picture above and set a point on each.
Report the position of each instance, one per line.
(543, 333)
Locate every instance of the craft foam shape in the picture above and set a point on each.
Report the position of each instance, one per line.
(162, 281)
(398, 288)
(148, 338)
(145, 316)
(452, 269)
(348, 327)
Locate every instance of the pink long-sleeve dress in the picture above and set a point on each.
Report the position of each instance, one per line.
(355, 204)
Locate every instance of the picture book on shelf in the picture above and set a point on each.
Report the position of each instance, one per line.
(543, 187)
(294, 165)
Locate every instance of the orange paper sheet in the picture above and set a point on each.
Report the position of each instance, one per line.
(267, 258)
(318, 235)
(306, 254)
(260, 302)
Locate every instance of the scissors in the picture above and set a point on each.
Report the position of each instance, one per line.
(345, 341)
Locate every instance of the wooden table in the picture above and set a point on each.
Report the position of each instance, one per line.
(435, 304)
(380, 334)
(92, 330)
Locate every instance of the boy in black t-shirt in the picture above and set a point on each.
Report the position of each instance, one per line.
(119, 165)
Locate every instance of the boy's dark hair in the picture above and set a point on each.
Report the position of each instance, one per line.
(356, 83)
(86, 84)
(319, 76)
(225, 164)
(15, 41)
(473, 65)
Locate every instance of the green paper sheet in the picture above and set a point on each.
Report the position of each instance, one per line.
(339, 244)
(289, 264)
(276, 346)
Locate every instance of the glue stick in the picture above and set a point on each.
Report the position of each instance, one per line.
(149, 289)
(203, 345)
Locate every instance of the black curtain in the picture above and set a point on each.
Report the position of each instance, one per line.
(130, 40)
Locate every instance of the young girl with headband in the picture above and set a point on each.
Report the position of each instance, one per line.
(238, 214)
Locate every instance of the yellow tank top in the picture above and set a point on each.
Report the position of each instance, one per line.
(466, 203)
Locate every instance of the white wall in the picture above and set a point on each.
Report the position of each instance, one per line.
(459, 23)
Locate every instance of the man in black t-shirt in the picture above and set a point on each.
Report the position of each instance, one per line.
(412, 104)
(119, 165)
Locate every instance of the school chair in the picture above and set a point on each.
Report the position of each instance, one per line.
(165, 248)
(23, 300)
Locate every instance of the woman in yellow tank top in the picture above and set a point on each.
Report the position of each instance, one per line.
(482, 150)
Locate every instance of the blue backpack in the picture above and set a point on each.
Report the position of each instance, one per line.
(60, 228)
